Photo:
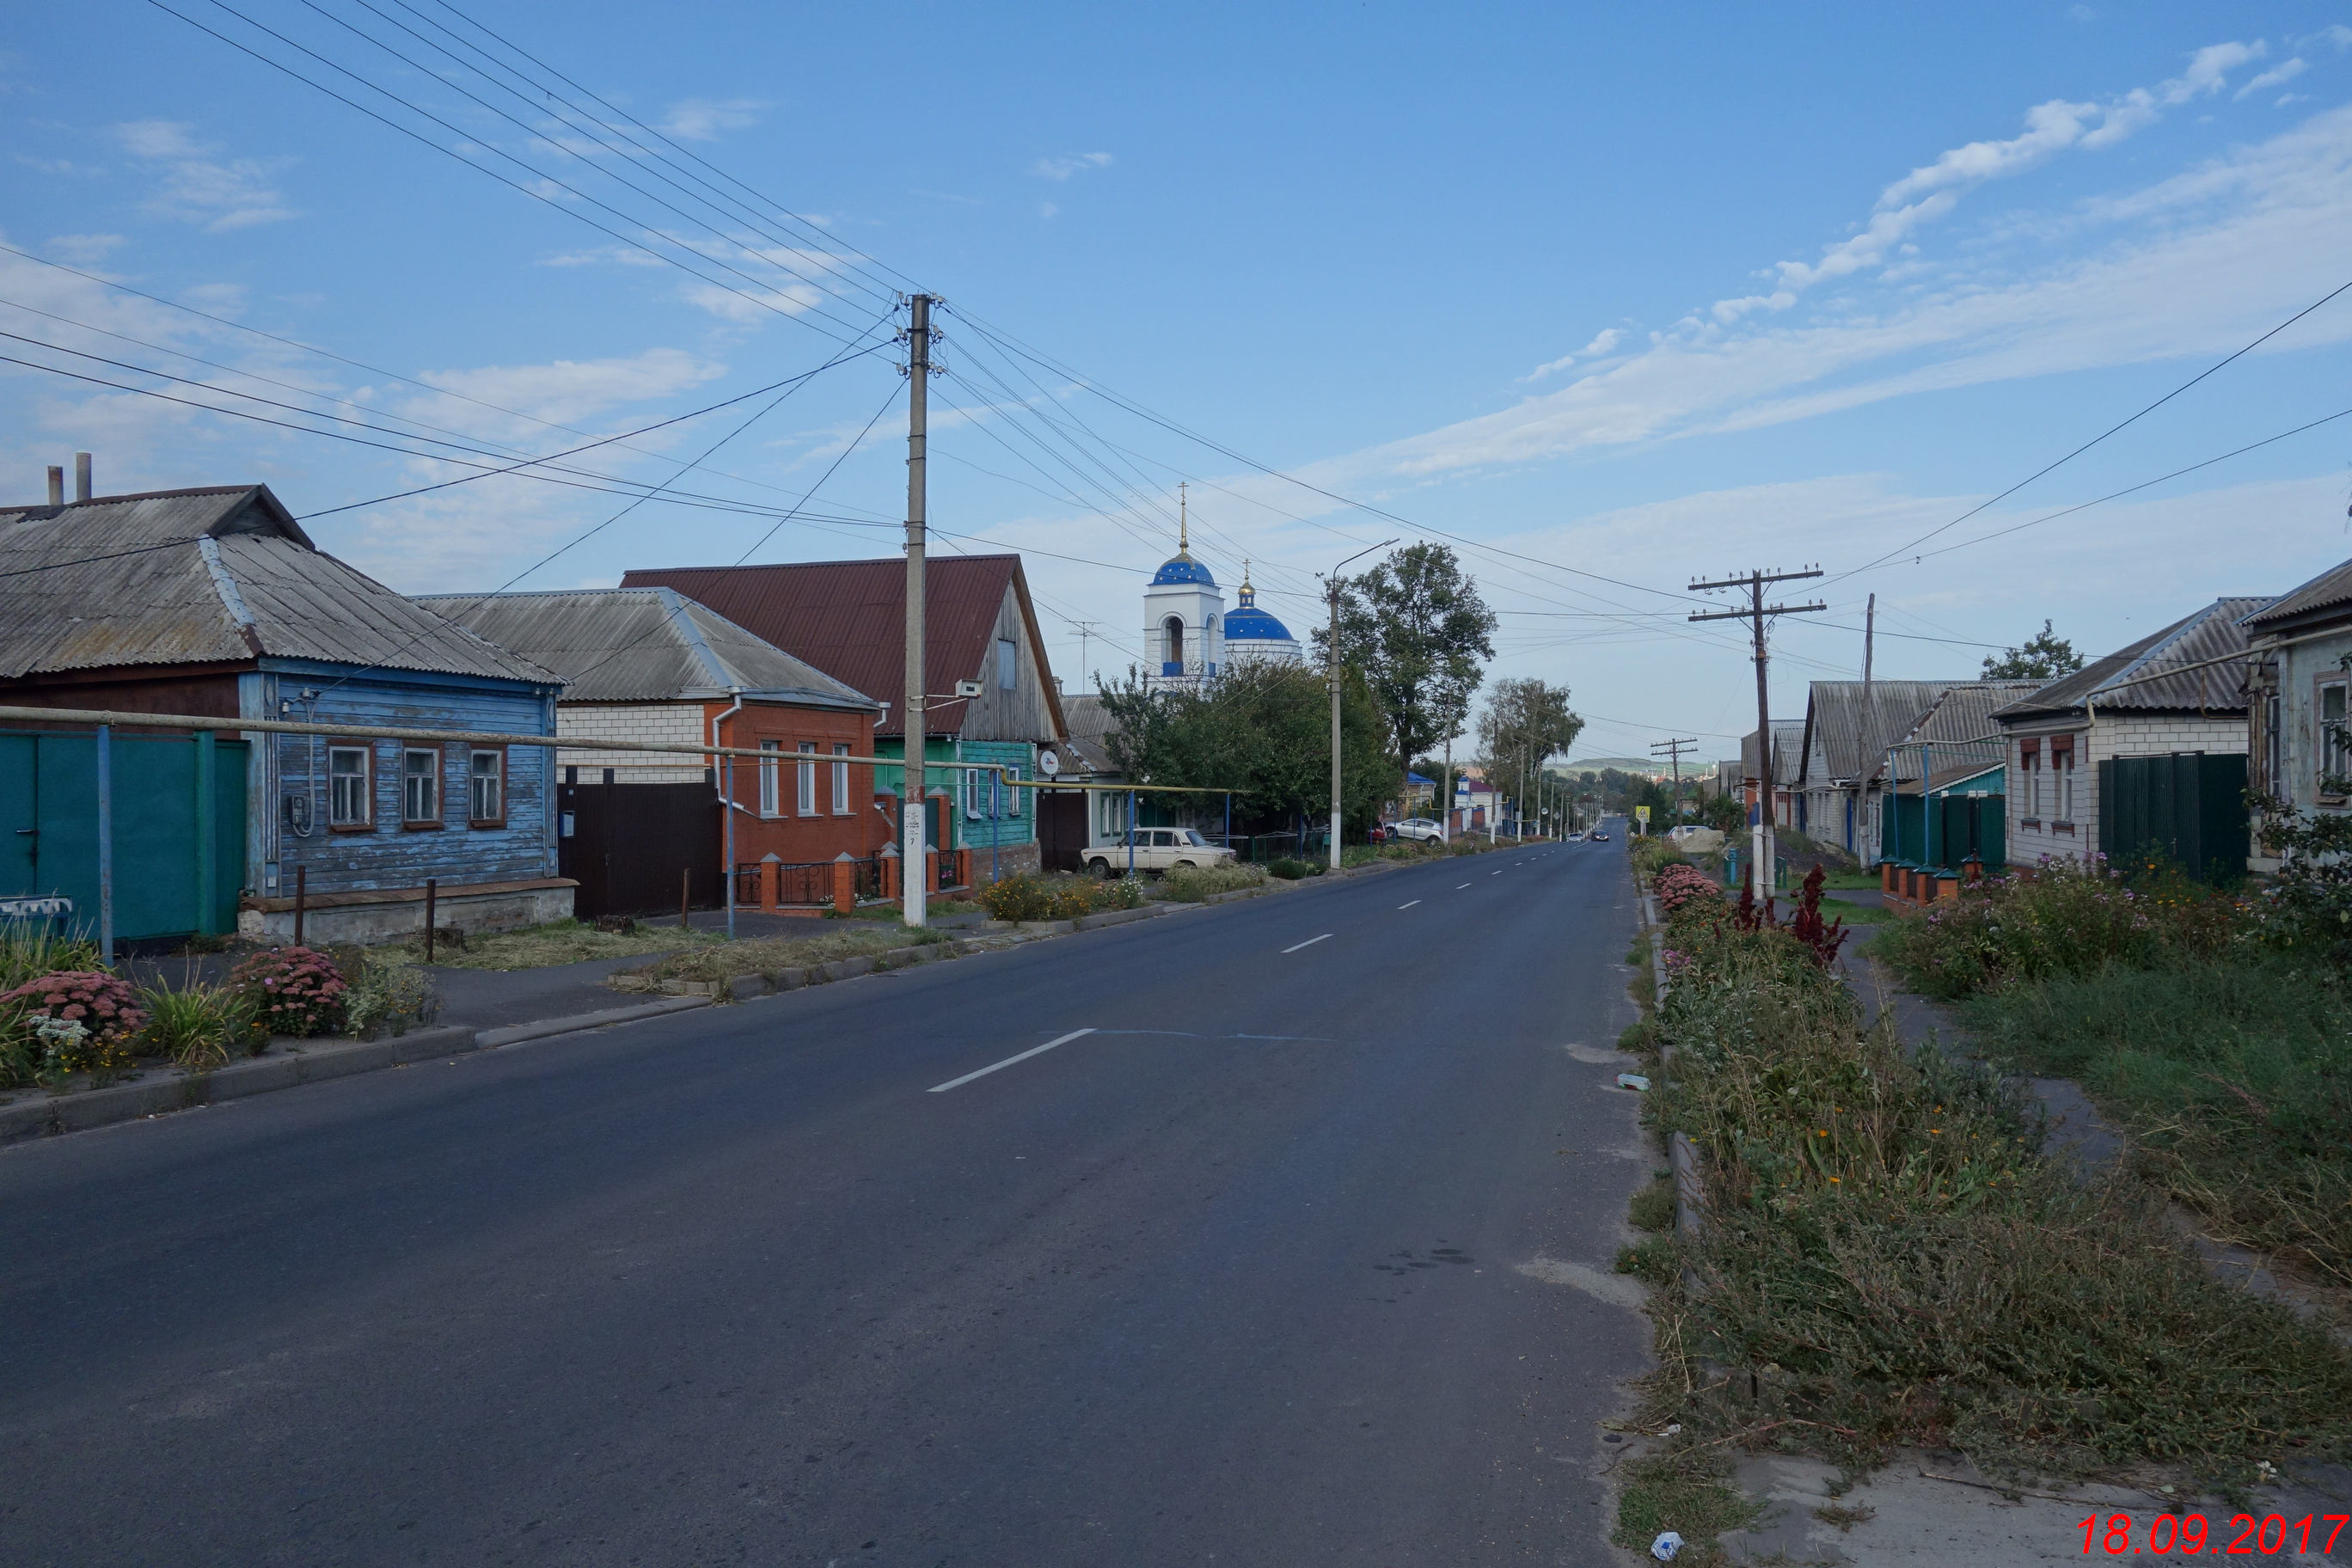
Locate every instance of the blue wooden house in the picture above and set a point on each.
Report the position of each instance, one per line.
(213, 603)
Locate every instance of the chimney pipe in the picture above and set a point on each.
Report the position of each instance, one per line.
(81, 476)
(57, 484)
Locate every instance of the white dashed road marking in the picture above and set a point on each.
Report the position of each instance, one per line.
(1408, 906)
(1310, 941)
(1024, 1055)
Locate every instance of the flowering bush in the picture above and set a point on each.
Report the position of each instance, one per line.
(2062, 917)
(78, 1020)
(291, 990)
(2307, 908)
(1678, 883)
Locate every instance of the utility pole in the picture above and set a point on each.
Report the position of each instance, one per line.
(1333, 673)
(1085, 634)
(912, 863)
(1760, 838)
(1674, 749)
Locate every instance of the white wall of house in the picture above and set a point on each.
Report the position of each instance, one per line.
(669, 723)
(2035, 826)
(2297, 758)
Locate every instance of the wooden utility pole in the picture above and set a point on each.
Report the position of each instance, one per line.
(916, 813)
(1674, 749)
(1760, 838)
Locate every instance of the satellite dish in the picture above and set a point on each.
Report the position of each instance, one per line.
(1048, 762)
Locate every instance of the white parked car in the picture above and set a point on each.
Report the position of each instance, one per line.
(1424, 829)
(1158, 849)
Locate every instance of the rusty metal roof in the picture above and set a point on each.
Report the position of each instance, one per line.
(206, 577)
(637, 645)
(848, 618)
(2212, 633)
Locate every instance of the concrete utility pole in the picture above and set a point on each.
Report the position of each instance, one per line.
(912, 862)
(1333, 675)
(1674, 749)
(1760, 838)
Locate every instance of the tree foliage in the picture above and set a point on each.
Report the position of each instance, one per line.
(1263, 731)
(2043, 657)
(1417, 628)
(1526, 722)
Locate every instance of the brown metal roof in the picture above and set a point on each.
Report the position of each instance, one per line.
(203, 576)
(848, 618)
(640, 645)
(2212, 633)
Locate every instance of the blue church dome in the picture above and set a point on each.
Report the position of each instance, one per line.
(1184, 569)
(1247, 623)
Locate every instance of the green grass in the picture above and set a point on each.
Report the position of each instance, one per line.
(1687, 1492)
(767, 955)
(558, 941)
(2234, 1079)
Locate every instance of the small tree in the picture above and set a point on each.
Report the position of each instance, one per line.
(2043, 657)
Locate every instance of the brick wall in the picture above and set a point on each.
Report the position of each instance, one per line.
(668, 723)
(2156, 735)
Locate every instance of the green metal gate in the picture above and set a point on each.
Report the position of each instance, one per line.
(2189, 808)
(178, 815)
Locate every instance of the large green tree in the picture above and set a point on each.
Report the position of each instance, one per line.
(1417, 628)
(1525, 723)
(2043, 657)
(1263, 731)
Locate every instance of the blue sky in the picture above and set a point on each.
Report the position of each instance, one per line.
(1617, 296)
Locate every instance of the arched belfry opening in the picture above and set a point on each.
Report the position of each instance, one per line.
(1174, 627)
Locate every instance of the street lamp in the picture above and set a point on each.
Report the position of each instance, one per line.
(1333, 673)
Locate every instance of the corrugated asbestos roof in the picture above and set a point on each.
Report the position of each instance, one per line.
(2211, 633)
(2331, 590)
(204, 576)
(636, 644)
(848, 618)
(1853, 732)
(1090, 728)
(1787, 741)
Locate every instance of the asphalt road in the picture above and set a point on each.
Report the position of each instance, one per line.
(1297, 1257)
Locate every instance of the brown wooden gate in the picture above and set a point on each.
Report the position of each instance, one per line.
(627, 844)
(1061, 829)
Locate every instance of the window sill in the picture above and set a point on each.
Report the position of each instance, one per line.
(2029, 822)
(421, 827)
(486, 823)
(351, 827)
(2062, 828)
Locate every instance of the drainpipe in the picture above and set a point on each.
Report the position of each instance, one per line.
(727, 807)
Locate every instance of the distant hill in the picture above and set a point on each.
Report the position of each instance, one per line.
(1647, 767)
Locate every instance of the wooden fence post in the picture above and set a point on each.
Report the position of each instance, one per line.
(686, 898)
(432, 910)
(302, 892)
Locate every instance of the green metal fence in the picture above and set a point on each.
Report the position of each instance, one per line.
(2190, 808)
(177, 819)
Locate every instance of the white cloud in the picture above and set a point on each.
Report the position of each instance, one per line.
(1602, 344)
(1047, 209)
(88, 249)
(2335, 33)
(1931, 191)
(703, 120)
(564, 392)
(2283, 72)
(1062, 168)
(197, 188)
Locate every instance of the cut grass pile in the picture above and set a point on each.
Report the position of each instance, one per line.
(769, 954)
(1887, 1260)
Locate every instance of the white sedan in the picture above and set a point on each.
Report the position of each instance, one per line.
(1158, 849)
(1427, 830)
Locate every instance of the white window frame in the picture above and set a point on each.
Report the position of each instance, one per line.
(806, 783)
(496, 778)
(365, 781)
(1013, 790)
(772, 781)
(410, 778)
(841, 780)
(2335, 745)
(2062, 787)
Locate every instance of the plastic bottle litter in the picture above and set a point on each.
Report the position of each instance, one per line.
(1664, 1547)
(1633, 1081)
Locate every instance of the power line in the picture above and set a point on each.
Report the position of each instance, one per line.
(2095, 440)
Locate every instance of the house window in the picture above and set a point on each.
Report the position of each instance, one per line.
(1008, 663)
(2335, 745)
(770, 782)
(349, 799)
(486, 787)
(975, 792)
(2273, 769)
(420, 786)
(2062, 781)
(807, 779)
(841, 780)
(1013, 791)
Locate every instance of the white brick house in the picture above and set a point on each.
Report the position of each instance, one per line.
(2301, 699)
(2175, 692)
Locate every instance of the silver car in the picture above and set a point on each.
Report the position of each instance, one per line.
(1424, 829)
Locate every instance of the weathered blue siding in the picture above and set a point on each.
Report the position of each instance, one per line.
(978, 831)
(388, 853)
